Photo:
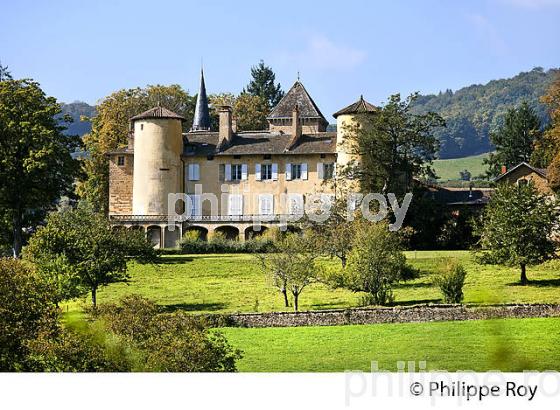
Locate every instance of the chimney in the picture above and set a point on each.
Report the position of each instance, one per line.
(504, 169)
(296, 128)
(226, 129)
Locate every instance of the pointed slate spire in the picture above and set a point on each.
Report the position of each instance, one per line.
(201, 121)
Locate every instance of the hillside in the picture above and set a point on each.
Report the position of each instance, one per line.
(449, 169)
(473, 112)
(76, 110)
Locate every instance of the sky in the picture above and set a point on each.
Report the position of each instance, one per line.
(86, 50)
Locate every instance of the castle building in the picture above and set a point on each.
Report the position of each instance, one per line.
(263, 176)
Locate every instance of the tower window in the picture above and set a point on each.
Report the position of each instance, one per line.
(120, 160)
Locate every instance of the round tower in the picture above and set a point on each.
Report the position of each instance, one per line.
(347, 119)
(158, 145)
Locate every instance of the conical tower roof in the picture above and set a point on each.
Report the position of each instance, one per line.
(201, 120)
(359, 107)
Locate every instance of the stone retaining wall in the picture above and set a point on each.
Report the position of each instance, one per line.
(418, 313)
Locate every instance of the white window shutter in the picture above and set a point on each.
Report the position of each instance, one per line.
(235, 204)
(189, 172)
(295, 204)
(334, 170)
(288, 171)
(196, 172)
(274, 172)
(244, 172)
(304, 170)
(320, 170)
(266, 204)
(228, 172)
(258, 172)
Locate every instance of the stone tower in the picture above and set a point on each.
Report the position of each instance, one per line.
(158, 144)
(346, 119)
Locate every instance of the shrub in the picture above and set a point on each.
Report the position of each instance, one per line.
(451, 280)
(219, 244)
(174, 342)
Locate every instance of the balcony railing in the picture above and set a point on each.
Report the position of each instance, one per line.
(203, 218)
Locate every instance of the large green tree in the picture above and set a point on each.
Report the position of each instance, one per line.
(515, 139)
(263, 85)
(393, 144)
(110, 129)
(517, 227)
(36, 164)
(88, 251)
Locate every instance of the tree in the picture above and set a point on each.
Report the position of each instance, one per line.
(27, 310)
(375, 263)
(110, 130)
(250, 112)
(88, 250)
(515, 139)
(262, 85)
(393, 145)
(517, 228)
(216, 101)
(4, 73)
(36, 166)
(548, 149)
(292, 268)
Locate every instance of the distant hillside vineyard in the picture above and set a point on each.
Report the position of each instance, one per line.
(473, 112)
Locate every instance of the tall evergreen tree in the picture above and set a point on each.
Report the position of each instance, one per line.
(515, 139)
(262, 84)
(4, 73)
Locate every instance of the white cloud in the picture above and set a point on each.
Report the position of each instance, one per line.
(322, 53)
(532, 4)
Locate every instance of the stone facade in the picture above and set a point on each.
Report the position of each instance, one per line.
(121, 178)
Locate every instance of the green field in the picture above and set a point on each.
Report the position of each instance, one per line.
(482, 345)
(449, 169)
(234, 283)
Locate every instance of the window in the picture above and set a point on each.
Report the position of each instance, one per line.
(237, 157)
(235, 204)
(296, 171)
(266, 171)
(266, 204)
(236, 172)
(295, 205)
(267, 156)
(329, 171)
(195, 206)
(193, 172)
(325, 170)
(209, 157)
(141, 127)
(120, 160)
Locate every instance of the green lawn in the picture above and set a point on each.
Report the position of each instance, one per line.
(448, 169)
(482, 345)
(234, 283)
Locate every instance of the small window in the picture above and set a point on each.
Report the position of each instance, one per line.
(267, 156)
(210, 157)
(296, 171)
(522, 181)
(328, 171)
(141, 127)
(236, 172)
(323, 155)
(266, 171)
(237, 157)
(120, 160)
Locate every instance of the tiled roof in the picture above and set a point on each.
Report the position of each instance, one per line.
(297, 95)
(462, 196)
(359, 107)
(199, 143)
(157, 112)
(541, 171)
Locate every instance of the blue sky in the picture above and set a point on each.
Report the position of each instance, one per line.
(84, 51)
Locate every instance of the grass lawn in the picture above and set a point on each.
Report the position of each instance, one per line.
(449, 169)
(482, 345)
(234, 283)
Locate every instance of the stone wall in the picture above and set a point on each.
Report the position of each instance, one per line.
(420, 313)
(120, 185)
